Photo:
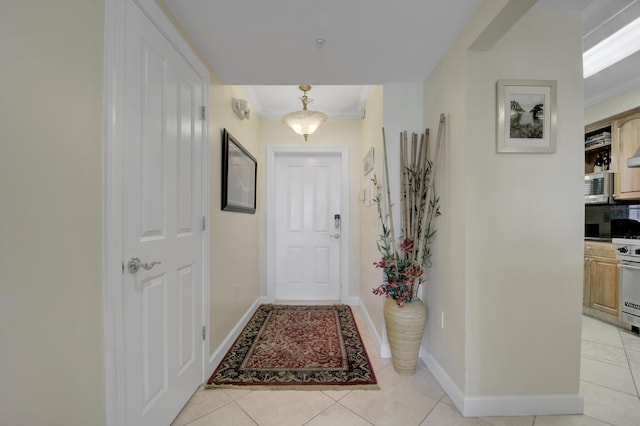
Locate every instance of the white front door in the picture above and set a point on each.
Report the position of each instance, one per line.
(162, 216)
(307, 236)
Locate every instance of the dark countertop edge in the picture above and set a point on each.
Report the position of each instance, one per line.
(600, 240)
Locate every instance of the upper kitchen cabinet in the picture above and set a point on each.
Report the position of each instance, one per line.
(597, 149)
(626, 140)
(623, 130)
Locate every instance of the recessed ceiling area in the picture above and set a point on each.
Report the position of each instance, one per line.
(335, 101)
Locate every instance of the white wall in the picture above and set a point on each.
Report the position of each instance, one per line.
(51, 328)
(507, 265)
(402, 111)
(613, 105)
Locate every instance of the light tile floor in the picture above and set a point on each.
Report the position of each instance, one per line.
(610, 380)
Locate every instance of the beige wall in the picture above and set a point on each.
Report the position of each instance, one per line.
(445, 92)
(524, 251)
(370, 229)
(507, 266)
(238, 248)
(51, 328)
(234, 249)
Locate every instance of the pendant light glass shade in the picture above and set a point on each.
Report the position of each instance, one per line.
(305, 122)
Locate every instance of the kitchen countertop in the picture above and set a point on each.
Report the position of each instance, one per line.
(600, 240)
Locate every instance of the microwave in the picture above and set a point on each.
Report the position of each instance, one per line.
(598, 188)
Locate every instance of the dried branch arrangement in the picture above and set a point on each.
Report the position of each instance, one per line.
(404, 267)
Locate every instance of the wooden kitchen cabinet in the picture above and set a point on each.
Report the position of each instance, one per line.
(600, 288)
(586, 285)
(625, 142)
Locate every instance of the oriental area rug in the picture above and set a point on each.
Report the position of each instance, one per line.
(315, 347)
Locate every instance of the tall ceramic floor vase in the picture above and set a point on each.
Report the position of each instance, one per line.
(404, 329)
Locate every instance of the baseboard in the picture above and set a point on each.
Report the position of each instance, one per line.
(351, 301)
(381, 344)
(385, 350)
(529, 405)
(447, 383)
(267, 300)
(505, 405)
(603, 316)
(224, 347)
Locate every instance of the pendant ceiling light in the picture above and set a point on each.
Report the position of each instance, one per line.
(305, 122)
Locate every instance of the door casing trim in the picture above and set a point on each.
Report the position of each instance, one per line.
(115, 20)
(343, 152)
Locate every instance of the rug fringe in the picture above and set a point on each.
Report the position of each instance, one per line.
(295, 387)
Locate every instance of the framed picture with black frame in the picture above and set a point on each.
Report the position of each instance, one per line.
(239, 174)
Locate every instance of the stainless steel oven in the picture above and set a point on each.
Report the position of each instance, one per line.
(628, 253)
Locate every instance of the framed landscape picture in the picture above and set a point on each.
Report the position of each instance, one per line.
(368, 162)
(526, 116)
(239, 172)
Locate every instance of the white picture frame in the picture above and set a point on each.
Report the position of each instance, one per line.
(368, 162)
(526, 116)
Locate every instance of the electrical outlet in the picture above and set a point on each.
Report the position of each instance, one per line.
(442, 320)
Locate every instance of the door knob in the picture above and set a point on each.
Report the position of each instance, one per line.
(336, 236)
(135, 264)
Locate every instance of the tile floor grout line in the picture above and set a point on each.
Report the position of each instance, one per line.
(605, 344)
(206, 414)
(535, 418)
(626, 355)
(349, 409)
(348, 392)
(433, 408)
(593, 358)
(312, 418)
(245, 412)
(601, 420)
(607, 387)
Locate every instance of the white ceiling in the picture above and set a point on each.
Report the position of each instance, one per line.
(258, 43)
(367, 41)
(269, 47)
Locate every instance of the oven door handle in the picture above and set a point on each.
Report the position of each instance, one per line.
(627, 266)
